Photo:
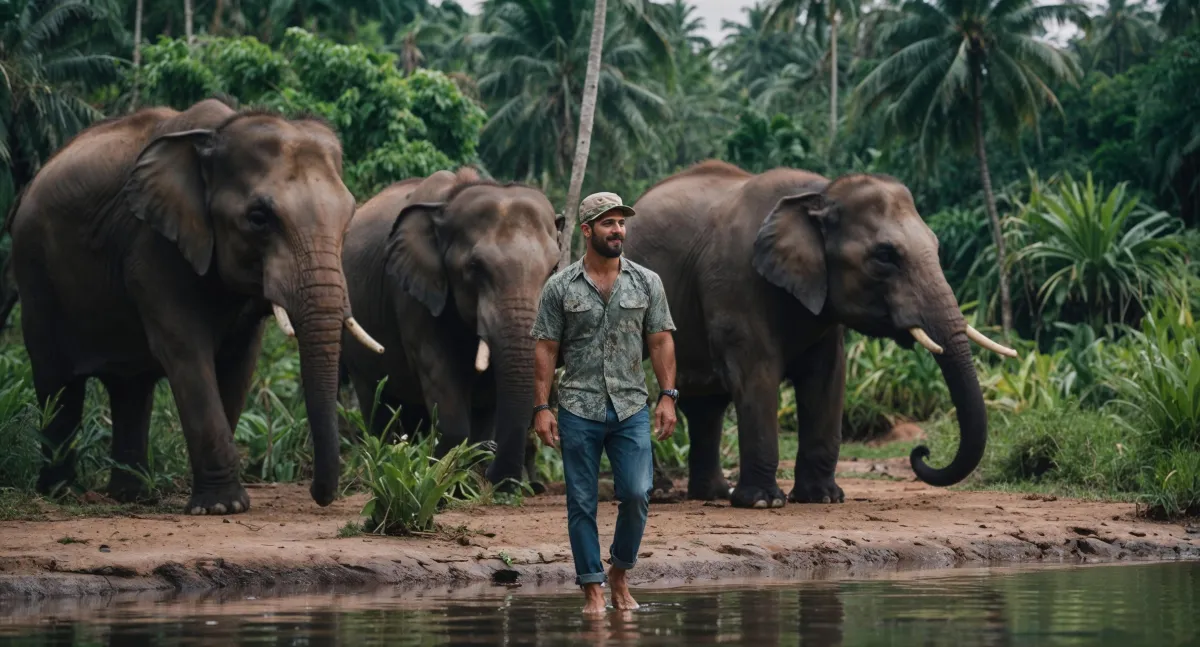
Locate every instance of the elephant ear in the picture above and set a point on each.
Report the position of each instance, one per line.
(167, 189)
(789, 250)
(415, 259)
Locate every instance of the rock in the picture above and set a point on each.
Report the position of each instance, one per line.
(1092, 546)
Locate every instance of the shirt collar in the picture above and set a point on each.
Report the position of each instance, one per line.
(575, 270)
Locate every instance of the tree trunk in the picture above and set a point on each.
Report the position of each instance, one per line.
(583, 143)
(187, 21)
(214, 27)
(986, 178)
(833, 76)
(137, 52)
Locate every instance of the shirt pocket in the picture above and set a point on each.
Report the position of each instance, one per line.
(583, 317)
(632, 312)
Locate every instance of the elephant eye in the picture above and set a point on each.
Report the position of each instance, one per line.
(259, 218)
(886, 254)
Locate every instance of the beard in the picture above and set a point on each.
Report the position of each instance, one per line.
(610, 247)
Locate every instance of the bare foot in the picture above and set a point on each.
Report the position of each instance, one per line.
(621, 598)
(594, 599)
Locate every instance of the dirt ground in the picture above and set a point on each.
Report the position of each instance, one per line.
(285, 543)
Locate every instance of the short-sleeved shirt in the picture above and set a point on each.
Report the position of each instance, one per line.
(601, 342)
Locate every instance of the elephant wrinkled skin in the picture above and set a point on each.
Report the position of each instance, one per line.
(446, 272)
(155, 245)
(763, 274)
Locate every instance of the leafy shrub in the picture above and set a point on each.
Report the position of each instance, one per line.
(886, 383)
(391, 126)
(1160, 386)
(1100, 254)
(407, 484)
(1065, 445)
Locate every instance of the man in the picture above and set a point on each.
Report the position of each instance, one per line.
(599, 309)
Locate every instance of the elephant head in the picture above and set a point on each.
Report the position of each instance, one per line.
(857, 252)
(485, 250)
(258, 204)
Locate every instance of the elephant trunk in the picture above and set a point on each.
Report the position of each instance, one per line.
(513, 366)
(319, 310)
(948, 330)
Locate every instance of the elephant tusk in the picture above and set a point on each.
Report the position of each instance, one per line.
(924, 340)
(482, 356)
(281, 318)
(362, 336)
(982, 340)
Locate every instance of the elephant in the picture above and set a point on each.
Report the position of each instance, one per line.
(443, 269)
(155, 245)
(764, 273)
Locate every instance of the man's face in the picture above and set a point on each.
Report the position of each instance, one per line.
(606, 234)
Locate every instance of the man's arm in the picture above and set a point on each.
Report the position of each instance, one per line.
(545, 353)
(662, 358)
(547, 330)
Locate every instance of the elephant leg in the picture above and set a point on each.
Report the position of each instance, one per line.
(450, 403)
(192, 373)
(236, 361)
(376, 415)
(132, 399)
(483, 425)
(705, 418)
(756, 397)
(59, 468)
(820, 382)
(414, 420)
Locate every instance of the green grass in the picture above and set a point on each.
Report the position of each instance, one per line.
(23, 505)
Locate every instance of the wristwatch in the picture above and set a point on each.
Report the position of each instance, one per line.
(671, 393)
(540, 407)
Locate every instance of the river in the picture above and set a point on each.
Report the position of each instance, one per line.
(1121, 605)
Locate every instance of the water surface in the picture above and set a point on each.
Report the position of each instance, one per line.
(1120, 605)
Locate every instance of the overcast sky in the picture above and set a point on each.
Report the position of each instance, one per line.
(712, 12)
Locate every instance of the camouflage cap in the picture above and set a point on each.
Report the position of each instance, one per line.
(597, 204)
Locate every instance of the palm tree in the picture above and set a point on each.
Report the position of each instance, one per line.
(1178, 16)
(820, 14)
(960, 63)
(753, 57)
(534, 55)
(47, 66)
(583, 142)
(1124, 29)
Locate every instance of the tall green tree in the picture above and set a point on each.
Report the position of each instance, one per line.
(1123, 33)
(962, 66)
(821, 16)
(583, 141)
(50, 61)
(533, 63)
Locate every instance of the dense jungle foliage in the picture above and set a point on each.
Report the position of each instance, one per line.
(1054, 149)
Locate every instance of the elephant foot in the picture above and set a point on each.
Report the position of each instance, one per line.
(127, 488)
(230, 499)
(538, 488)
(55, 479)
(816, 490)
(753, 496)
(711, 489)
(506, 481)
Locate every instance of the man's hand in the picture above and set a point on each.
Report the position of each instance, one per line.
(547, 427)
(664, 418)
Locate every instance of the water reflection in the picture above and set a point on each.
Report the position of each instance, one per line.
(1146, 604)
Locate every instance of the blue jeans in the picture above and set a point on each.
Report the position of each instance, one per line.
(628, 447)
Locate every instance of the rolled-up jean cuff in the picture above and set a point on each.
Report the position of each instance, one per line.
(591, 578)
(622, 564)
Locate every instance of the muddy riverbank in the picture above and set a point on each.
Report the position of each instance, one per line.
(285, 543)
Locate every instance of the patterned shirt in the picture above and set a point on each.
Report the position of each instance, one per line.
(601, 342)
